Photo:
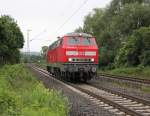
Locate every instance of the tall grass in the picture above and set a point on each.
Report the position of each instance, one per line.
(22, 95)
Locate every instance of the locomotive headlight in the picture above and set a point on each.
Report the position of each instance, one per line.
(69, 59)
(92, 59)
(68, 53)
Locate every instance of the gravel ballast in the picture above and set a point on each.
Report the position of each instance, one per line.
(79, 105)
(120, 86)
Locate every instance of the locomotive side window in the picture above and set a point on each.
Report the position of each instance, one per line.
(74, 41)
(61, 41)
(55, 44)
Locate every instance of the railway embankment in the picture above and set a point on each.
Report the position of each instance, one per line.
(22, 95)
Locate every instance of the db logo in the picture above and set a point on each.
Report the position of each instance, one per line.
(81, 53)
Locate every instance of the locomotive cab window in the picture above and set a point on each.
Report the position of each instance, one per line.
(74, 41)
(61, 41)
(88, 41)
(58, 43)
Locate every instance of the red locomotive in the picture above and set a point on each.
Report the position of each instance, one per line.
(73, 57)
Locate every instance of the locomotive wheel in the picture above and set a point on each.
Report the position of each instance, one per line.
(62, 75)
(85, 79)
(67, 77)
(73, 77)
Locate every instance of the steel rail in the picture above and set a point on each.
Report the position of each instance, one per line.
(118, 106)
(110, 102)
(133, 79)
(143, 101)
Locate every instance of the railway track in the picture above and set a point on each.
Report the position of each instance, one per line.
(127, 106)
(119, 104)
(132, 79)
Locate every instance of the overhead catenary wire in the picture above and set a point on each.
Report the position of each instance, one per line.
(65, 22)
(75, 12)
(39, 34)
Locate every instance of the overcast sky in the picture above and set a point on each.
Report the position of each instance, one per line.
(45, 17)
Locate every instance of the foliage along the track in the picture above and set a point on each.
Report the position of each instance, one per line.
(11, 40)
(22, 95)
(114, 27)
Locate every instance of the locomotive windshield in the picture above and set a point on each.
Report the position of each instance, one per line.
(87, 41)
(81, 41)
(74, 41)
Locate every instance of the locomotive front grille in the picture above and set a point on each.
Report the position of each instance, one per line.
(81, 60)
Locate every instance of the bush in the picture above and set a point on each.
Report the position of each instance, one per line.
(22, 95)
(136, 50)
(9, 103)
(106, 57)
(145, 58)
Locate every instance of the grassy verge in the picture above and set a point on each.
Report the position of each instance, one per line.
(139, 72)
(22, 95)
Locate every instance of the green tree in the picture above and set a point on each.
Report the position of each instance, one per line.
(93, 22)
(11, 40)
(79, 29)
(113, 25)
(136, 50)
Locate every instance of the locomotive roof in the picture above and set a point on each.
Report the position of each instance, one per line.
(78, 34)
